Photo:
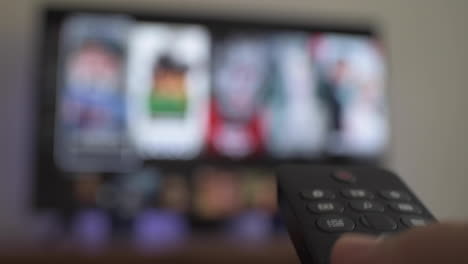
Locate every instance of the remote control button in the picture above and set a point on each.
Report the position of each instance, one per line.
(395, 195)
(325, 207)
(317, 194)
(378, 222)
(406, 208)
(344, 176)
(335, 223)
(414, 221)
(357, 194)
(366, 206)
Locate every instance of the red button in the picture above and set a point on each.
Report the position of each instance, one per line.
(344, 176)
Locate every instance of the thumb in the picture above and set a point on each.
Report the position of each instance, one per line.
(438, 243)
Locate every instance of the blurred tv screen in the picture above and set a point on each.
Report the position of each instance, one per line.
(151, 123)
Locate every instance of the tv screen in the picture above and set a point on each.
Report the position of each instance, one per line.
(178, 121)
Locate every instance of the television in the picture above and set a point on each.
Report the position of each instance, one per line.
(174, 122)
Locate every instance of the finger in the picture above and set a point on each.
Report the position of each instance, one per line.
(438, 243)
(353, 249)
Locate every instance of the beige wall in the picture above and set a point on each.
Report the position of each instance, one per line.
(427, 42)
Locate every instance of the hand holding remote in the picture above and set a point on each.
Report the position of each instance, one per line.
(320, 203)
(437, 243)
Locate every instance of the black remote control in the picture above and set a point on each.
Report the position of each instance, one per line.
(319, 203)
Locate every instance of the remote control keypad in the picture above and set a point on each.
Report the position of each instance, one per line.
(362, 201)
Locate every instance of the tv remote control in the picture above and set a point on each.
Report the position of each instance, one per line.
(319, 203)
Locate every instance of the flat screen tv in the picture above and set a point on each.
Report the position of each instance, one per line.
(176, 122)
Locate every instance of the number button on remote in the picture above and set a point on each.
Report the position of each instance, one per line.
(317, 194)
(366, 206)
(395, 195)
(378, 222)
(325, 207)
(357, 194)
(406, 208)
(414, 221)
(335, 223)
